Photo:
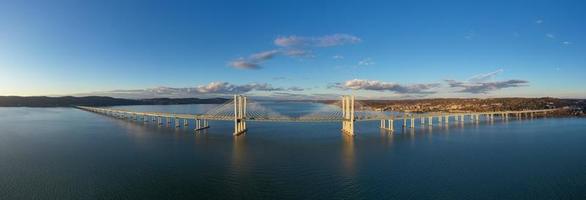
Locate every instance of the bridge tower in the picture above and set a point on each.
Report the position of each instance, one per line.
(239, 114)
(348, 115)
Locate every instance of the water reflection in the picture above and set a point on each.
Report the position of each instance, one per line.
(348, 155)
(238, 161)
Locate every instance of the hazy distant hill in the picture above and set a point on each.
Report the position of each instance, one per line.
(41, 101)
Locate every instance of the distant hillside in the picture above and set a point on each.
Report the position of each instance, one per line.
(67, 101)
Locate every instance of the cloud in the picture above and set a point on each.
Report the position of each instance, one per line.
(323, 41)
(486, 87)
(539, 21)
(297, 89)
(208, 90)
(227, 88)
(485, 77)
(265, 55)
(293, 46)
(366, 62)
(337, 57)
(253, 61)
(297, 96)
(481, 83)
(298, 53)
(566, 43)
(242, 63)
(549, 35)
(374, 85)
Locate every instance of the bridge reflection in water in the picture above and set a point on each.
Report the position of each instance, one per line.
(240, 110)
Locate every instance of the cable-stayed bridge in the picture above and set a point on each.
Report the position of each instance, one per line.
(347, 110)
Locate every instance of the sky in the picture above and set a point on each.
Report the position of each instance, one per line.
(293, 49)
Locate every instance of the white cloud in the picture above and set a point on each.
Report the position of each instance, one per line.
(208, 90)
(323, 41)
(298, 53)
(265, 55)
(566, 43)
(539, 21)
(549, 35)
(254, 60)
(242, 63)
(293, 46)
(338, 57)
(366, 62)
(485, 77)
(482, 83)
(374, 85)
(485, 87)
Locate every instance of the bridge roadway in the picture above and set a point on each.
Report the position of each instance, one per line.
(239, 112)
(360, 116)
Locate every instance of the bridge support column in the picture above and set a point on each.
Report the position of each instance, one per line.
(383, 124)
(239, 114)
(200, 124)
(430, 121)
(447, 119)
(185, 123)
(412, 124)
(176, 122)
(348, 115)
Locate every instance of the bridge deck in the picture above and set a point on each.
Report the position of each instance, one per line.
(313, 118)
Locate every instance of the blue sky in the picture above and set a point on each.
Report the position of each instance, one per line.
(293, 49)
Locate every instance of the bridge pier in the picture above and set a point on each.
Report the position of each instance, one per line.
(201, 124)
(430, 121)
(383, 124)
(348, 115)
(239, 114)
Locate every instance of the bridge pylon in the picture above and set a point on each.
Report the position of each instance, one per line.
(239, 114)
(348, 115)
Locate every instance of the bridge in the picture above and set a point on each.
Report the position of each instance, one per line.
(240, 110)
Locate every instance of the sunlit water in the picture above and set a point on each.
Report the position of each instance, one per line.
(65, 153)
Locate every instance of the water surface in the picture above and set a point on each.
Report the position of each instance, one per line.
(65, 153)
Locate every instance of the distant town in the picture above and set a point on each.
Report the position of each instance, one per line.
(570, 106)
